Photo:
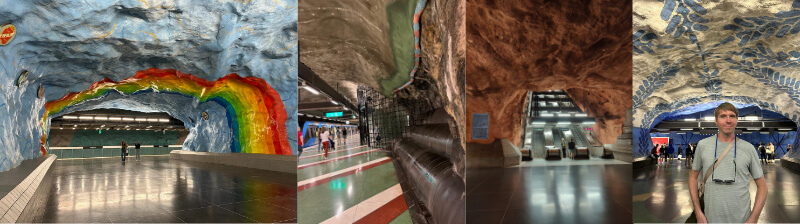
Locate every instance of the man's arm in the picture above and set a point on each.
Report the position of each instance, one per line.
(693, 191)
(761, 199)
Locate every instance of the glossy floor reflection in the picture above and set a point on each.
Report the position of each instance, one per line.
(157, 189)
(550, 194)
(661, 194)
(355, 184)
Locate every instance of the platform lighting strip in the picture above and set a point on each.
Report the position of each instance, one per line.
(104, 118)
(316, 92)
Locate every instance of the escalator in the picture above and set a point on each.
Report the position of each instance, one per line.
(588, 140)
(538, 143)
(548, 137)
(557, 135)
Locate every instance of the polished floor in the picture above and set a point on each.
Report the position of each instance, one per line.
(356, 184)
(661, 194)
(550, 194)
(157, 189)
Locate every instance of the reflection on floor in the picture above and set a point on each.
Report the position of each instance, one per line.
(157, 189)
(570, 162)
(355, 184)
(661, 194)
(550, 194)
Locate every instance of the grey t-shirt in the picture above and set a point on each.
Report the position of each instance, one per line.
(728, 203)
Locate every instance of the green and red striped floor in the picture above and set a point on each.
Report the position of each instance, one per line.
(356, 184)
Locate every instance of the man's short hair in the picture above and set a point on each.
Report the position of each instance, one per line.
(725, 106)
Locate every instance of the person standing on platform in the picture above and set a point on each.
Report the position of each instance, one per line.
(138, 146)
(344, 135)
(572, 147)
(332, 139)
(654, 152)
(723, 195)
(319, 139)
(563, 148)
(689, 154)
(762, 150)
(124, 149)
(325, 138)
(788, 147)
(299, 142)
(771, 153)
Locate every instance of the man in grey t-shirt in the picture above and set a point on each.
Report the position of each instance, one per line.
(727, 202)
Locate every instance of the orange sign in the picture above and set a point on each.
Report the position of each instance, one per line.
(7, 33)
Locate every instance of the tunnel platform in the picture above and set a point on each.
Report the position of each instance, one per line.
(158, 189)
(546, 193)
(356, 183)
(661, 193)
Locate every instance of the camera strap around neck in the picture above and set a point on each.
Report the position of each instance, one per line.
(709, 171)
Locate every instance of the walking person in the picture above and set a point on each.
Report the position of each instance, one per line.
(124, 149)
(564, 148)
(138, 146)
(325, 138)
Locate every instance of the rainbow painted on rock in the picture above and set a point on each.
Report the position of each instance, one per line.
(255, 112)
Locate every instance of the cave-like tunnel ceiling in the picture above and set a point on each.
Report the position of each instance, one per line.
(519, 46)
(688, 53)
(371, 43)
(67, 45)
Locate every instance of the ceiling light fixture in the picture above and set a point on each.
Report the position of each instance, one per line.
(101, 118)
(128, 119)
(114, 118)
(70, 117)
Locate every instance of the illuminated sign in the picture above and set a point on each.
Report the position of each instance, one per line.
(7, 33)
(333, 114)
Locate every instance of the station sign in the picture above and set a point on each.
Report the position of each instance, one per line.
(333, 114)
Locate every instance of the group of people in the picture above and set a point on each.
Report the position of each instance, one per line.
(329, 142)
(124, 148)
(328, 139)
(767, 152)
(664, 153)
(566, 146)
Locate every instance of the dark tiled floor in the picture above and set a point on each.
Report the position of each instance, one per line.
(550, 194)
(158, 189)
(661, 194)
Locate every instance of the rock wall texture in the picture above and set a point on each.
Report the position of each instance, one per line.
(519, 46)
(439, 83)
(371, 43)
(690, 56)
(352, 43)
(67, 45)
